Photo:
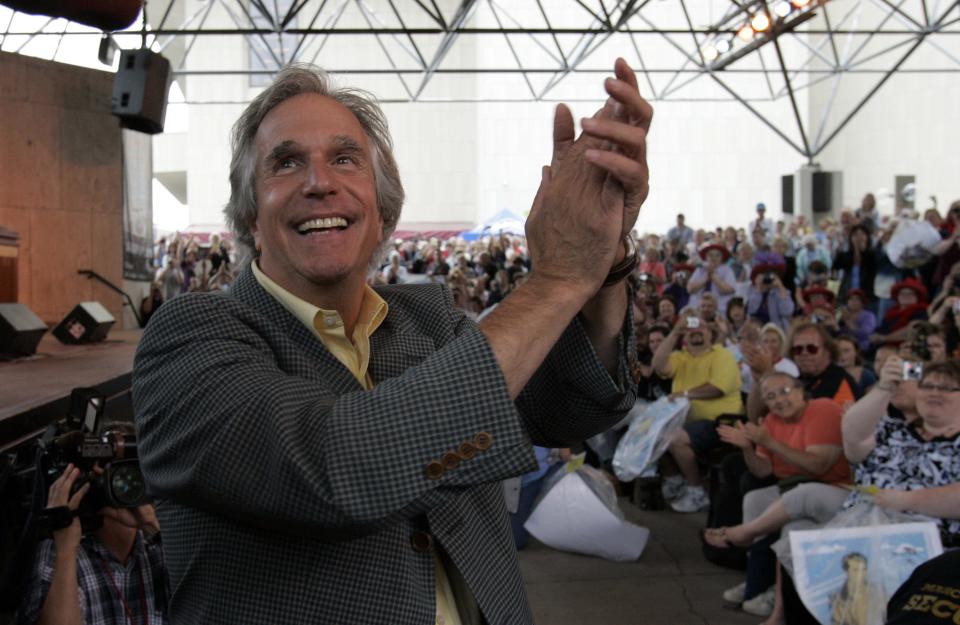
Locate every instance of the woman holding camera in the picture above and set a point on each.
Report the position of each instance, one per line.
(653, 269)
(768, 300)
(912, 460)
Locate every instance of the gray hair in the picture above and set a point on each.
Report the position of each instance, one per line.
(294, 80)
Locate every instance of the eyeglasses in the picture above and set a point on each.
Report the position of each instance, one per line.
(812, 349)
(783, 392)
(936, 388)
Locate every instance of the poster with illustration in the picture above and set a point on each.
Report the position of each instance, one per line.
(845, 576)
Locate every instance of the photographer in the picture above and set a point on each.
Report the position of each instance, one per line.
(707, 375)
(925, 343)
(655, 270)
(768, 300)
(677, 289)
(114, 574)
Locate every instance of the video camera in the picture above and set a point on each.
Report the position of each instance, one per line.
(27, 473)
(78, 441)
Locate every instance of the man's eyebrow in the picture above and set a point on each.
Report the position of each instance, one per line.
(281, 150)
(348, 143)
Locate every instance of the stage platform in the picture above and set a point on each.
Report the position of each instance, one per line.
(35, 391)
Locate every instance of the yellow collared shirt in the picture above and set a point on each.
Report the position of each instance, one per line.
(327, 326)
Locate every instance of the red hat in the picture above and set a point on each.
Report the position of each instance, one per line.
(910, 283)
(819, 290)
(858, 293)
(714, 246)
(777, 268)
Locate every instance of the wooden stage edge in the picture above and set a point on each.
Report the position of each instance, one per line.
(35, 391)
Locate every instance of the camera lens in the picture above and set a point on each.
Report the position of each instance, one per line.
(126, 485)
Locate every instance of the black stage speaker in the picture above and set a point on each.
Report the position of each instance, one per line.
(822, 196)
(88, 322)
(140, 90)
(786, 194)
(20, 330)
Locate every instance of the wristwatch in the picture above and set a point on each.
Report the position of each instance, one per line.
(623, 269)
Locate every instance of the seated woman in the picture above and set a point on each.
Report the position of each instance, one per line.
(650, 386)
(904, 439)
(849, 357)
(818, 300)
(773, 341)
(914, 462)
(667, 310)
(855, 320)
(736, 318)
(799, 440)
(911, 298)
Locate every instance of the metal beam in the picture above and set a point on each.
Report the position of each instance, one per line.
(872, 92)
(464, 11)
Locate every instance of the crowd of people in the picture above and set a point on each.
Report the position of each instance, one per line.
(185, 264)
(812, 360)
(809, 356)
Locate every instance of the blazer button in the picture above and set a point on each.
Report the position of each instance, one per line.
(450, 461)
(435, 470)
(467, 450)
(421, 542)
(483, 440)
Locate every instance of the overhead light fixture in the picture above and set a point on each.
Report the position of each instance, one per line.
(753, 43)
(782, 8)
(760, 22)
(723, 46)
(800, 3)
(709, 52)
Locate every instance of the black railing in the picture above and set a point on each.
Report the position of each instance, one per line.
(91, 274)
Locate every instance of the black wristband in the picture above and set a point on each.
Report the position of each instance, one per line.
(54, 519)
(626, 266)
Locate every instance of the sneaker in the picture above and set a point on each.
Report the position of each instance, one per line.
(735, 594)
(694, 499)
(673, 487)
(762, 604)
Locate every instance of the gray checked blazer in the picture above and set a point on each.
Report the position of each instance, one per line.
(288, 494)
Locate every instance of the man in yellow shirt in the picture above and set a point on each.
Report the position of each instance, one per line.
(708, 376)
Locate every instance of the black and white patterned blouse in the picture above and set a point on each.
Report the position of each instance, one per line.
(903, 460)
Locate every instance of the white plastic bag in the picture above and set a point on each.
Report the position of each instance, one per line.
(651, 428)
(846, 571)
(578, 512)
(605, 443)
(912, 243)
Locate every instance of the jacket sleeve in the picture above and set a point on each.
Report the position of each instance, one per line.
(222, 427)
(785, 305)
(572, 396)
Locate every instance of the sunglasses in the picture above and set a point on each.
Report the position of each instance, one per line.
(936, 388)
(812, 349)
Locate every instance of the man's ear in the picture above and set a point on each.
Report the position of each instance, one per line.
(255, 231)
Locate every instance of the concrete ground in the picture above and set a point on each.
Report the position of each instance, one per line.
(671, 583)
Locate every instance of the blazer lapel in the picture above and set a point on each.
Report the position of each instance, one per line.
(397, 345)
(325, 365)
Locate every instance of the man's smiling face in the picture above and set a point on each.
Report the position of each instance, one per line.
(317, 222)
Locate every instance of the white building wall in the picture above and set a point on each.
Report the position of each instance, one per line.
(911, 126)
